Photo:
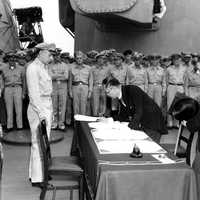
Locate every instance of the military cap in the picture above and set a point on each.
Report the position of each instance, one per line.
(128, 52)
(195, 55)
(64, 55)
(101, 54)
(119, 55)
(175, 56)
(92, 53)
(165, 59)
(154, 57)
(80, 53)
(138, 57)
(46, 46)
(186, 55)
(55, 51)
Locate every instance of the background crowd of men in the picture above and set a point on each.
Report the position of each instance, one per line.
(78, 88)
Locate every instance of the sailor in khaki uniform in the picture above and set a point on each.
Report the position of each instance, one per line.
(192, 81)
(137, 74)
(156, 80)
(13, 78)
(59, 72)
(175, 83)
(40, 106)
(100, 71)
(80, 84)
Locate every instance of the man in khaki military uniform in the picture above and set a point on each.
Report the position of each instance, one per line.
(137, 74)
(80, 84)
(119, 71)
(175, 83)
(59, 72)
(65, 58)
(100, 71)
(192, 81)
(13, 78)
(128, 55)
(156, 79)
(40, 107)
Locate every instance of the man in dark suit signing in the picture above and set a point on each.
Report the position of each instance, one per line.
(137, 108)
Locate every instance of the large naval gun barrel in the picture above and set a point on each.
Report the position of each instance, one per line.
(124, 24)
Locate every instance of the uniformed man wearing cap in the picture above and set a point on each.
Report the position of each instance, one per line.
(65, 58)
(128, 57)
(40, 106)
(187, 58)
(60, 73)
(175, 83)
(137, 74)
(119, 71)
(13, 78)
(80, 84)
(156, 79)
(100, 71)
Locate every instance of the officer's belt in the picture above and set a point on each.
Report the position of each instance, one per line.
(97, 85)
(13, 85)
(178, 84)
(155, 83)
(79, 83)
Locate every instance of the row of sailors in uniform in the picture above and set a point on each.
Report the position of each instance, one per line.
(82, 82)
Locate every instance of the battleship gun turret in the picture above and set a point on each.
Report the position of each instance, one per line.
(143, 25)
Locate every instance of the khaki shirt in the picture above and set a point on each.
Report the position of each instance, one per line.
(82, 74)
(136, 76)
(175, 75)
(119, 73)
(59, 71)
(12, 77)
(156, 75)
(99, 74)
(191, 79)
(39, 85)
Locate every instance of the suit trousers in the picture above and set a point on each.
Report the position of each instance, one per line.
(13, 96)
(35, 164)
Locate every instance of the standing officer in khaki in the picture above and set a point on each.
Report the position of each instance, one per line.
(175, 83)
(40, 106)
(119, 71)
(65, 58)
(156, 79)
(80, 84)
(60, 73)
(13, 78)
(100, 72)
(137, 74)
(192, 81)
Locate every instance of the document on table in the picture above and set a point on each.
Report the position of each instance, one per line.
(163, 158)
(85, 118)
(114, 147)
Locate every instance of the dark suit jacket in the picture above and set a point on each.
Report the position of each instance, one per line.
(141, 109)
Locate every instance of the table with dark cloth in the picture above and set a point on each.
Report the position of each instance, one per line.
(118, 176)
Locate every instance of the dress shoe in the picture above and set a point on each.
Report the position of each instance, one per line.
(62, 127)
